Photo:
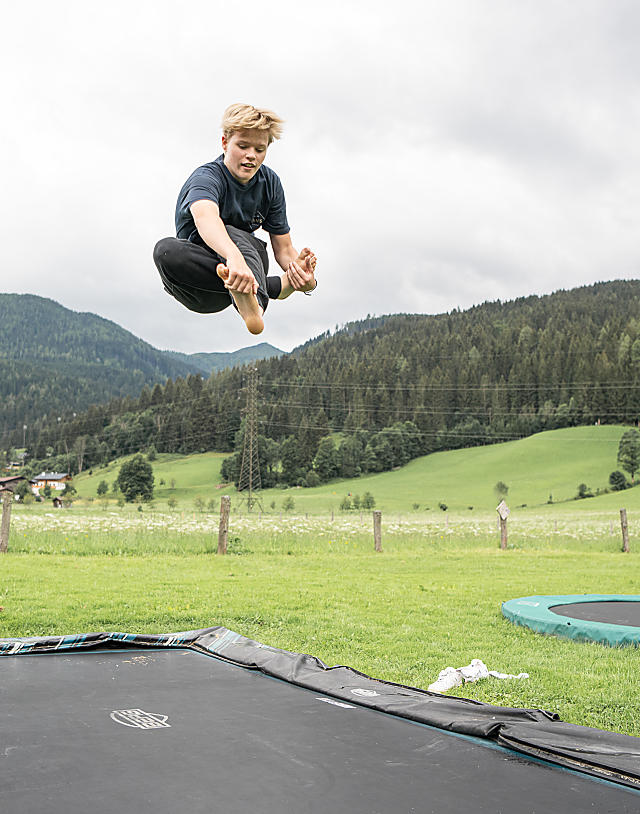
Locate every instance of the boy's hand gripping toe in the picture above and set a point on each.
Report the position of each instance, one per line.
(301, 272)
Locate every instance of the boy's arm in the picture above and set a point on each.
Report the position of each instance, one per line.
(298, 268)
(211, 229)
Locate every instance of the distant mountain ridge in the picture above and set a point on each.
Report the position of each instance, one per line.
(53, 359)
(210, 362)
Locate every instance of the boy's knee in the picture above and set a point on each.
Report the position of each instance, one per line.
(165, 252)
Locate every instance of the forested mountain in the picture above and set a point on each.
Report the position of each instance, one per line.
(54, 360)
(396, 387)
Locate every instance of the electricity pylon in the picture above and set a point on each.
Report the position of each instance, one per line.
(250, 481)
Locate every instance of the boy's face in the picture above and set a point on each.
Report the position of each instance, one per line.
(244, 152)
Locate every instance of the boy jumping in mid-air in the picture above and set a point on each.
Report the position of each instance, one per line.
(216, 259)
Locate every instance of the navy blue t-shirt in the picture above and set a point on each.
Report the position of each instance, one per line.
(260, 203)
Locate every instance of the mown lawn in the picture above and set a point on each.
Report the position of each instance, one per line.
(430, 600)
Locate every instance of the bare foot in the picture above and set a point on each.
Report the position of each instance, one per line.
(247, 304)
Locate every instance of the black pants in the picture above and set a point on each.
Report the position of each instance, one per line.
(188, 271)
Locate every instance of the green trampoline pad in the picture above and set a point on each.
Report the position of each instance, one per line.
(610, 619)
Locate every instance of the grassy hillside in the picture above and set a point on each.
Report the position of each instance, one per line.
(549, 463)
(535, 468)
(194, 475)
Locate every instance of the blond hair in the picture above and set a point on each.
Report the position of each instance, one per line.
(247, 117)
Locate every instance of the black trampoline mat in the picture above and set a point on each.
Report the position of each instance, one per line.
(221, 738)
(611, 613)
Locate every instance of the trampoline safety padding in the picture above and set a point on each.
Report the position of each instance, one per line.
(611, 619)
(209, 721)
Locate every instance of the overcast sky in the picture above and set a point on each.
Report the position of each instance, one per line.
(436, 153)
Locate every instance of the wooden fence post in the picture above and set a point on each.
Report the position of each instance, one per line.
(625, 530)
(377, 530)
(504, 512)
(223, 532)
(7, 500)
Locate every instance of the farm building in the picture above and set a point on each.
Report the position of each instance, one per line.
(55, 480)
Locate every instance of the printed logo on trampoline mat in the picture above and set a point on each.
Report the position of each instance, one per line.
(139, 719)
(364, 693)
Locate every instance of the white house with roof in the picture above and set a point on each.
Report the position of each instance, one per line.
(55, 480)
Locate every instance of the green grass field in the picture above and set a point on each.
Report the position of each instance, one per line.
(305, 582)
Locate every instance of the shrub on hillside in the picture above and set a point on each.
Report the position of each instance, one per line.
(368, 501)
(69, 489)
(312, 479)
(583, 491)
(617, 481)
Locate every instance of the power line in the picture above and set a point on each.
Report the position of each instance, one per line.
(451, 432)
(206, 398)
(392, 412)
(509, 386)
(485, 412)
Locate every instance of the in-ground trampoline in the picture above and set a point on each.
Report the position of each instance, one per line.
(612, 619)
(209, 721)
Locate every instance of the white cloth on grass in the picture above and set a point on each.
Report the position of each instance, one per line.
(453, 677)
